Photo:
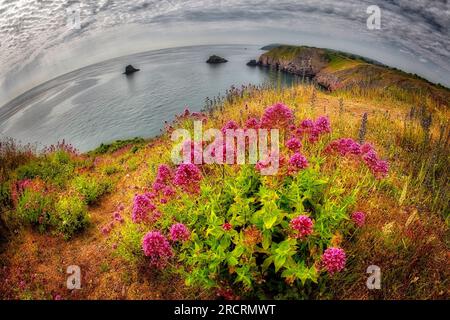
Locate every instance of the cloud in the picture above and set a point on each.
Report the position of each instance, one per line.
(30, 28)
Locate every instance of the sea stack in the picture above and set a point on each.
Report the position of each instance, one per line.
(253, 63)
(216, 59)
(129, 69)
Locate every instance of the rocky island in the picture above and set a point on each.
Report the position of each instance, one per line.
(129, 69)
(253, 63)
(214, 59)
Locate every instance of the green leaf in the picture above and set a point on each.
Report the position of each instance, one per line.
(269, 220)
(267, 239)
(279, 261)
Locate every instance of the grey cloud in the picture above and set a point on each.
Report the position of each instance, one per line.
(30, 28)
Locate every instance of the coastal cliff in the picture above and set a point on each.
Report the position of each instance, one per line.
(334, 70)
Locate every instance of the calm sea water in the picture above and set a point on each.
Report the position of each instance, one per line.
(99, 104)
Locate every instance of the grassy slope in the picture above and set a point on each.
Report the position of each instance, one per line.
(354, 71)
(405, 235)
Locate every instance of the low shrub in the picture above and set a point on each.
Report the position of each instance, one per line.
(90, 188)
(56, 168)
(35, 206)
(71, 215)
(116, 145)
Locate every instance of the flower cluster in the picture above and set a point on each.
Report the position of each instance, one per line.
(226, 226)
(157, 248)
(297, 162)
(252, 123)
(358, 218)
(194, 150)
(322, 125)
(163, 178)
(333, 260)
(277, 116)
(303, 225)
(344, 146)
(313, 129)
(188, 177)
(293, 144)
(230, 125)
(179, 232)
(164, 174)
(348, 146)
(142, 206)
(378, 167)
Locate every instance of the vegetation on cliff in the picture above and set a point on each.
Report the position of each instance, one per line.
(364, 182)
(335, 70)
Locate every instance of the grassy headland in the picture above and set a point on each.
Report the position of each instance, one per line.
(103, 211)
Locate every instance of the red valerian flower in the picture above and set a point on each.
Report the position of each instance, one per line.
(226, 226)
(344, 146)
(322, 125)
(164, 174)
(378, 167)
(157, 248)
(358, 218)
(293, 144)
(188, 177)
(179, 232)
(297, 162)
(333, 260)
(252, 123)
(142, 206)
(303, 225)
(277, 116)
(230, 125)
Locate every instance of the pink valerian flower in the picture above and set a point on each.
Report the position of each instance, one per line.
(322, 125)
(163, 200)
(333, 260)
(107, 228)
(307, 124)
(252, 123)
(378, 167)
(18, 188)
(269, 162)
(142, 206)
(158, 186)
(179, 232)
(150, 195)
(344, 146)
(157, 248)
(188, 177)
(192, 152)
(118, 217)
(303, 225)
(297, 162)
(358, 218)
(314, 135)
(168, 191)
(230, 125)
(366, 147)
(277, 116)
(293, 144)
(226, 226)
(57, 297)
(164, 174)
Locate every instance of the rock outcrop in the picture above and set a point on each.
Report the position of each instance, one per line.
(129, 69)
(216, 59)
(253, 63)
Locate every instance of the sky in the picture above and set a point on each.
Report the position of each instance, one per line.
(38, 40)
